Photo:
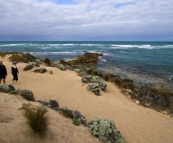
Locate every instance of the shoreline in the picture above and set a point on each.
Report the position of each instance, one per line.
(141, 79)
(136, 123)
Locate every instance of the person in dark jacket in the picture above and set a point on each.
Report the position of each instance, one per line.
(3, 72)
(14, 72)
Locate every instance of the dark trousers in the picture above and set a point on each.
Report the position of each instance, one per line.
(15, 76)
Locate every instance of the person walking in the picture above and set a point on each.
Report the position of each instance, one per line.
(14, 72)
(3, 72)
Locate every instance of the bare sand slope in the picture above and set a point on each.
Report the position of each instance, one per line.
(137, 124)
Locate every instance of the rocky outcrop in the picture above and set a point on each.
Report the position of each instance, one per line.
(105, 130)
(6, 88)
(156, 99)
(86, 58)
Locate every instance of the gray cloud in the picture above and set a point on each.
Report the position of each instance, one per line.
(86, 20)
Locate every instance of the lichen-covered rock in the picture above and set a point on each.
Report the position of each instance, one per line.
(94, 87)
(27, 94)
(28, 66)
(105, 130)
(61, 67)
(7, 88)
(54, 104)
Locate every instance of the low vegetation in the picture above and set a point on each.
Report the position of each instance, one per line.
(36, 119)
(68, 113)
(101, 74)
(106, 77)
(47, 61)
(90, 71)
(76, 122)
(51, 72)
(21, 57)
(118, 81)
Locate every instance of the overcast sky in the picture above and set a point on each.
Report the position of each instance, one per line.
(86, 20)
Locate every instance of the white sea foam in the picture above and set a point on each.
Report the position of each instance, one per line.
(133, 46)
(54, 53)
(103, 60)
(11, 45)
(141, 46)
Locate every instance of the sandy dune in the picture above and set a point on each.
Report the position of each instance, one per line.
(136, 123)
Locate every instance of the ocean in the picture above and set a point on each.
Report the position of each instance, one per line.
(146, 63)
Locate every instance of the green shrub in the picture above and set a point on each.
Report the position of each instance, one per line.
(51, 72)
(29, 57)
(29, 97)
(47, 61)
(68, 113)
(2, 54)
(128, 84)
(90, 71)
(17, 57)
(118, 81)
(95, 73)
(76, 122)
(36, 119)
(107, 77)
(13, 92)
(101, 74)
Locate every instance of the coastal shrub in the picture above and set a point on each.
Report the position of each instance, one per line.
(95, 73)
(36, 119)
(101, 74)
(128, 84)
(29, 57)
(107, 77)
(17, 58)
(67, 113)
(2, 54)
(118, 81)
(76, 122)
(90, 71)
(51, 72)
(27, 94)
(47, 61)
